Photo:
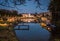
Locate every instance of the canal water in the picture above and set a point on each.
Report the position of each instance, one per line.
(35, 33)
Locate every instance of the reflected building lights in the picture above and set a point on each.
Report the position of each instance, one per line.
(27, 18)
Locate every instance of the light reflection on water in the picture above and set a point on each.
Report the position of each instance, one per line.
(35, 33)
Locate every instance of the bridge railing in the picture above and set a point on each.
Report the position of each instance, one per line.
(22, 27)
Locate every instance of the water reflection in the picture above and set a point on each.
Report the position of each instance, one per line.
(35, 33)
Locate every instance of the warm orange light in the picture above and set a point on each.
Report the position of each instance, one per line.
(27, 20)
(5, 24)
(11, 20)
(1, 20)
(27, 15)
(43, 18)
(43, 24)
(49, 29)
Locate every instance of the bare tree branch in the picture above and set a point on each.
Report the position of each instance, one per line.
(6, 6)
(18, 2)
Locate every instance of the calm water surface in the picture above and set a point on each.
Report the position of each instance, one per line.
(35, 33)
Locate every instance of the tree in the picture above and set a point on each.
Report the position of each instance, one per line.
(6, 3)
(55, 9)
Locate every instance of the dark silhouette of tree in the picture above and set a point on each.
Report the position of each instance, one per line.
(55, 9)
(4, 12)
(17, 2)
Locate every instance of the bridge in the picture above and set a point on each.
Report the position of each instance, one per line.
(23, 20)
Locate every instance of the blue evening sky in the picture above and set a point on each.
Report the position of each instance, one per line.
(29, 7)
